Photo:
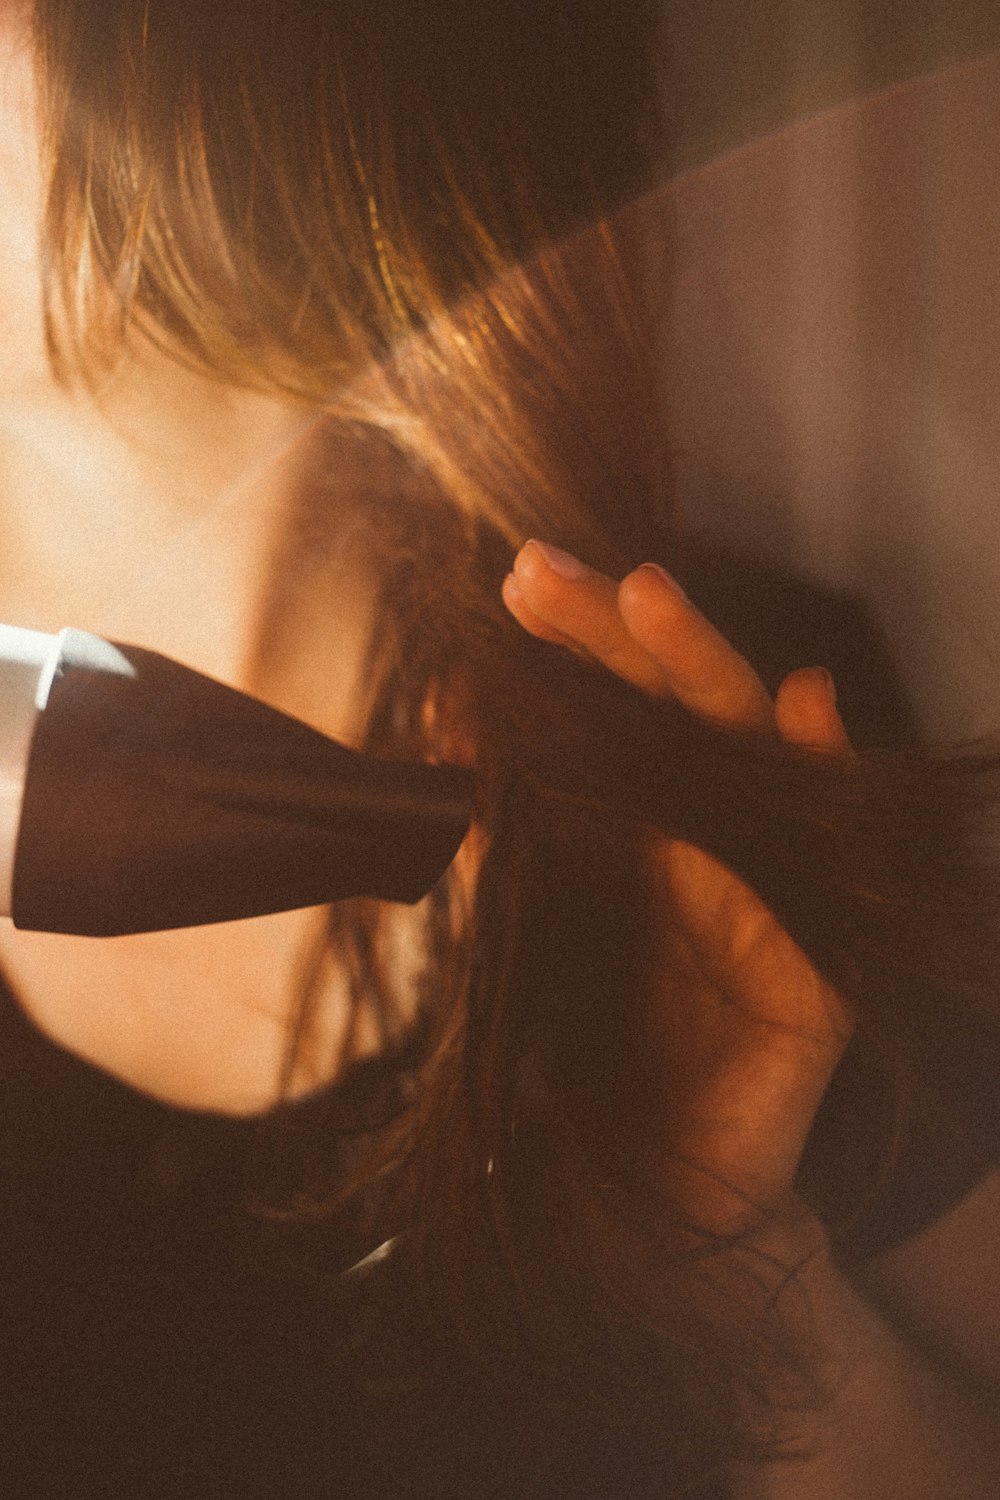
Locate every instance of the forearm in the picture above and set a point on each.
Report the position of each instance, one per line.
(895, 1425)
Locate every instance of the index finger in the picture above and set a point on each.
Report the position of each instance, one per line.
(704, 671)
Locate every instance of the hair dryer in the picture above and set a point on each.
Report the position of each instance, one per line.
(137, 794)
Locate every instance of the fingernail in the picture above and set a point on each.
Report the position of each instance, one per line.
(664, 577)
(511, 592)
(560, 562)
(828, 682)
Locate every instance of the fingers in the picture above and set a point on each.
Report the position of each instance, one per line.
(644, 630)
(702, 668)
(805, 711)
(560, 599)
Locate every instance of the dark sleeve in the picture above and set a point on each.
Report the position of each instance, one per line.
(781, 622)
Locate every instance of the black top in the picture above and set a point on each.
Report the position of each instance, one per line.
(157, 1340)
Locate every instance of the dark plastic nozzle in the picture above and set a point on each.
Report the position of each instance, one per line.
(156, 797)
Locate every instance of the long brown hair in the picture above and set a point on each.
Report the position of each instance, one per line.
(370, 208)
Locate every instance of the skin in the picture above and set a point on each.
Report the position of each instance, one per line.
(751, 1037)
(748, 1031)
(158, 512)
(762, 1084)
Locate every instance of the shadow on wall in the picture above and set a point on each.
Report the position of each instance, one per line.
(828, 299)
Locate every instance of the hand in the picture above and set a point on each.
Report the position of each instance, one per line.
(748, 1030)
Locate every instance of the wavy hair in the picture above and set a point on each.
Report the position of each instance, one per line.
(381, 211)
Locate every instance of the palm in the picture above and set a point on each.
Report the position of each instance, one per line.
(750, 1034)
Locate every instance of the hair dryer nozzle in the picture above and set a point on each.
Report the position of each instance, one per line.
(154, 797)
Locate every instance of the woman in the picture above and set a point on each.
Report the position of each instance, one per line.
(288, 406)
